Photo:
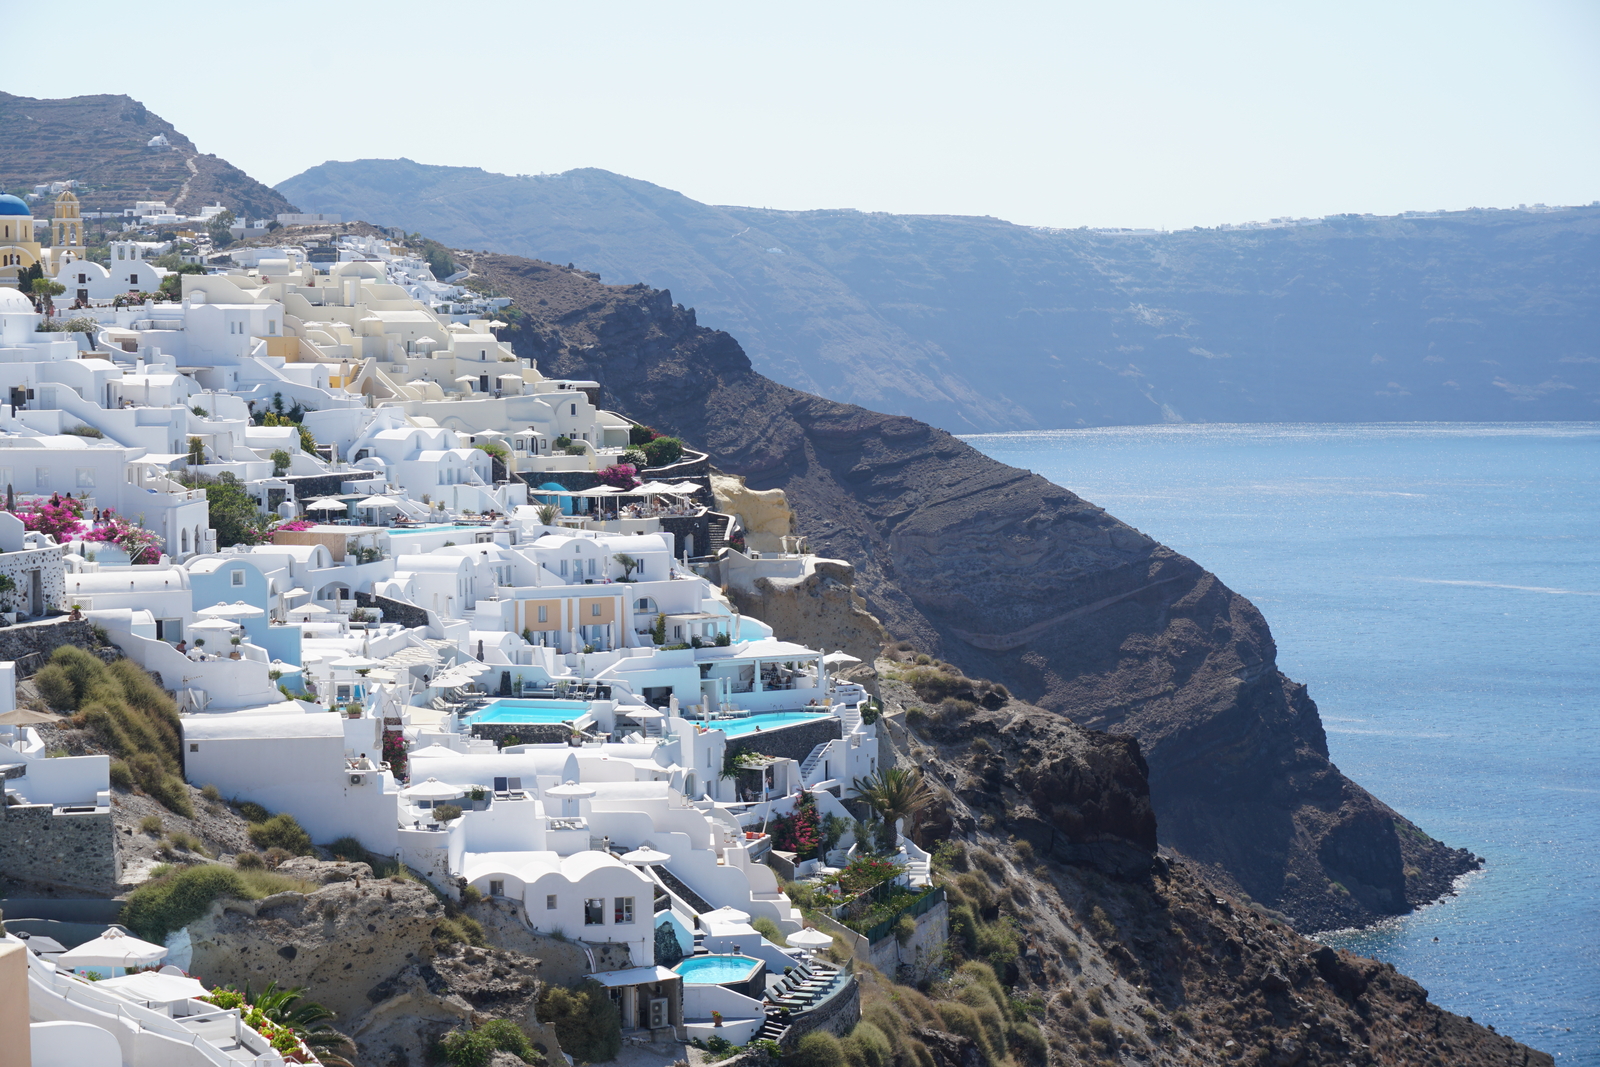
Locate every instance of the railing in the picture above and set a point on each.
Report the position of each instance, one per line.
(921, 906)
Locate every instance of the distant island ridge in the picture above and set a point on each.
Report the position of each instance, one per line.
(977, 324)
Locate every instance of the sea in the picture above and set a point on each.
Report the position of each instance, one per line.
(1437, 587)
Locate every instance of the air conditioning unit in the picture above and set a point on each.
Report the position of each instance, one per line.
(355, 779)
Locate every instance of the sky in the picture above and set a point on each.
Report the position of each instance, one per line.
(1129, 113)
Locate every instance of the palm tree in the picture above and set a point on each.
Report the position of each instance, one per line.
(895, 793)
(308, 1019)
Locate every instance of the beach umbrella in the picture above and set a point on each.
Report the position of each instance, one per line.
(645, 857)
(572, 790)
(217, 625)
(432, 789)
(157, 988)
(327, 503)
(112, 949)
(24, 717)
(296, 591)
(307, 609)
(378, 502)
(809, 938)
(355, 663)
(237, 610)
(839, 657)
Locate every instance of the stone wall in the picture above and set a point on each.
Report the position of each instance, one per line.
(923, 952)
(30, 644)
(39, 843)
(527, 733)
(52, 574)
(791, 742)
(683, 527)
(838, 1016)
(394, 610)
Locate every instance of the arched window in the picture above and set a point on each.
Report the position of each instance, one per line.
(184, 539)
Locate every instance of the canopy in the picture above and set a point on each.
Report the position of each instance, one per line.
(308, 609)
(450, 679)
(112, 949)
(570, 789)
(296, 591)
(726, 915)
(356, 663)
(432, 789)
(656, 487)
(378, 502)
(237, 610)
(24, 717)
(157, 988)
(327, 503)
(215, 624)
(467, 378)
(809, 938)
(687, 487)
(839, 657)
(600, 490)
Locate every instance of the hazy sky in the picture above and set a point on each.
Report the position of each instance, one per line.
(1061, 114)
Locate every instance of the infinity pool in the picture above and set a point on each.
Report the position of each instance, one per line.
(767, 720)
(716, 970)
(530, 711)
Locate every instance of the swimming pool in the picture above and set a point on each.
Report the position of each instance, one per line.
(530, 711)
(766, 720)
(716, 970)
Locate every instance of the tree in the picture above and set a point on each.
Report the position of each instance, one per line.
(309, 1020)
(44, 289)
(628, 564)
(658, 632)
(218, 225)
(641, 435)
(280, 462)
(233, 513)
(663, 451)
(894, 793)
(197, 451)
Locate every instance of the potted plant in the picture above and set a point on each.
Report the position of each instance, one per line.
(479, 797)
(716, 1018)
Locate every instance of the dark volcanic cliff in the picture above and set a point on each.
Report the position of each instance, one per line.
(1019, 580)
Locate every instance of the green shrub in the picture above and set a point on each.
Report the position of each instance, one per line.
(121, 775)
(211, 793)
(816, 1049)
(189, 843)
(166, 904)
(249, 861)
(768, 929)
(253, 812)
(585, 1020)
(151, 824)
(905, 928)
(281, 831)
(868, 1046)
(663, 451)
(348, 848)
(462, 930)
(447, 812)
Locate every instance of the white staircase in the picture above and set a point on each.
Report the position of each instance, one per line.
(811, 768)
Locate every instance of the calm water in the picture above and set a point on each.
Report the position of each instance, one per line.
(1438, 588)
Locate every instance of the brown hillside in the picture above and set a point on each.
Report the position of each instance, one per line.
(100, 141)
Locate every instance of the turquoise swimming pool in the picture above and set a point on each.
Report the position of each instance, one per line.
(766, 720)
(716, 970)
(530, 711)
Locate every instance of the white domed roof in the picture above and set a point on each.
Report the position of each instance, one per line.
(12, 301)
(360, 269)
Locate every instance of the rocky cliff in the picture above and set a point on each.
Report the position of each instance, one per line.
(1016, 579)
(1123, 956)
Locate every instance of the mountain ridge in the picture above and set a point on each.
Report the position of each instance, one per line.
(975, 323)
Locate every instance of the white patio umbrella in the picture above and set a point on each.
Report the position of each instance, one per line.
(725, 915)
(686, 487)
(157, 988)
(809, 938)
(378, 502)
(356, 663)
(840, 657)
(645, 857)
(308, 609)
(218, 625)
(112, 949)
(237, 610)
(433, 789)
(450, 679)
(574, 791)
(296, 591)
(327, 503)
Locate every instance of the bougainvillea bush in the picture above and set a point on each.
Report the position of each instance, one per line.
(140, 544)
(60, 517)
(800, 833)
(621, 475)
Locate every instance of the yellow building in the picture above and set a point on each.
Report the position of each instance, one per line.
(18, 249)
(66, 231)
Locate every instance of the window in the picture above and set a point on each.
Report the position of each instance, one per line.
(544, 613)
(563, 563)
(550, 902)
(497, 887)
(133, 279)
(594, 610)
(236, 578)
(85, 477)
(594, 911)
(194, 746)
(624, 910)
(184, 538)
(272, 327)
(591, 568)
(41, 477)
(574, 407)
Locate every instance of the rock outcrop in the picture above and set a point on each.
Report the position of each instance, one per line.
(1016, 579)
(370, 949)
(1134, 958)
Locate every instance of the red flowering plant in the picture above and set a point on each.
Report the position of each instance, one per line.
(293, 525)
(800, 833)
(140, 544)
(621, 475)
(60, 517)
(864, 872)
(394, 753)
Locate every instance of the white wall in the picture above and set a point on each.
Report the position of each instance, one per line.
(66, 780)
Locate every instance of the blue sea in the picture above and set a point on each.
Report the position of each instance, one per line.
(1437, 586)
